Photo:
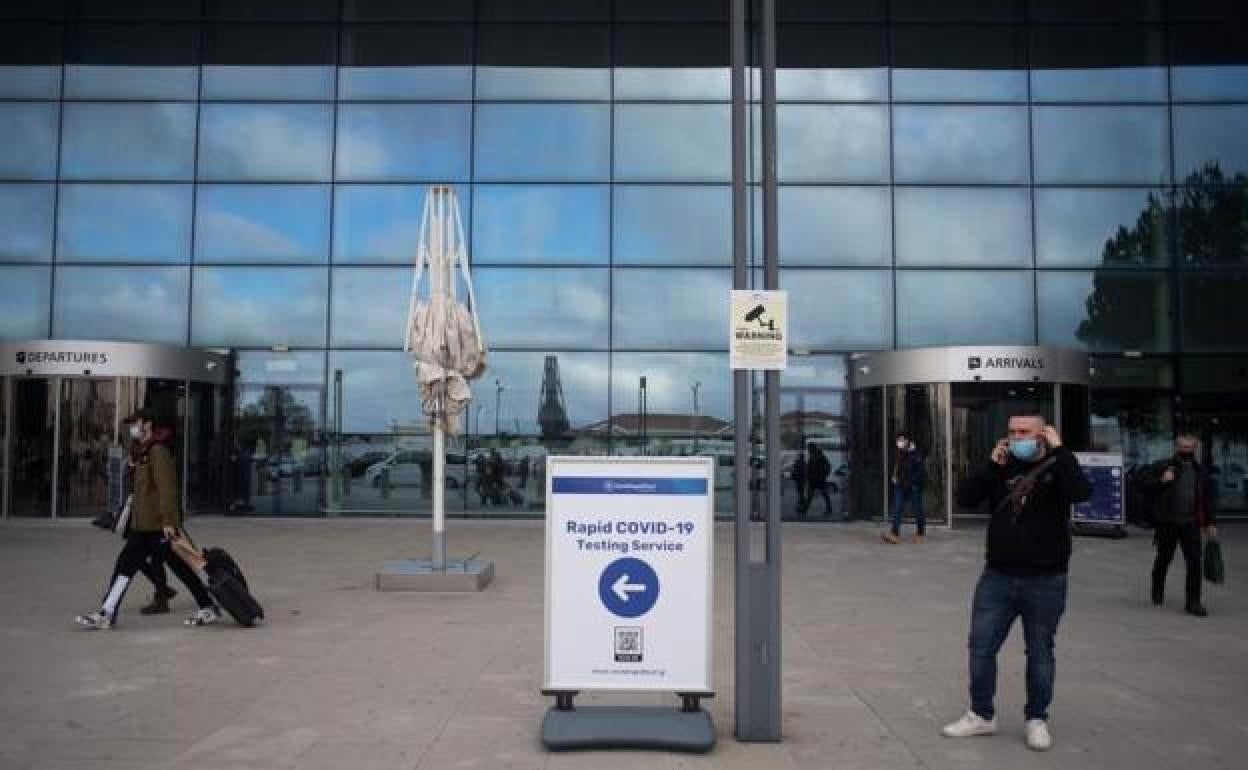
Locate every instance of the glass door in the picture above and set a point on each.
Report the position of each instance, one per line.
(818, 417)
(32, 446)
(281, 449)
(88, 428)
(921, 412)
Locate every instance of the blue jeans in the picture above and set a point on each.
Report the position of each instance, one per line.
(999, 599)
(915, 496)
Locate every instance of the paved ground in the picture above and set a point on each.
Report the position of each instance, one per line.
(346, 677)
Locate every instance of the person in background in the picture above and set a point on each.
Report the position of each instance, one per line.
(817, 471)
(909, 476)
(799, 480)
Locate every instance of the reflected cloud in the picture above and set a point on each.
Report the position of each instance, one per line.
(390, 141)
(273, 142)
(965, 307)
(127, 304)
(150, 222)
(671, 308)
(954, 226)
(260, 222)
(258, 307)
(540, 224)
(128, 141)
(678, 142)
(1101, 144)
(672, 225)
(24, 294)
(961, 144)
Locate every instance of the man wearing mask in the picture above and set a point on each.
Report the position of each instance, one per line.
(908, 478)
(1179, 486)
(1030, 481)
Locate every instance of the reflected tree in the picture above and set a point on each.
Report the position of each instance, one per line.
(276, 412)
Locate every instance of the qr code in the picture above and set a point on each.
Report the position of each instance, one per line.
(628, 644)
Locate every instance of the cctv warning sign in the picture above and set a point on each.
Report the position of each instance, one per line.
(759, 330)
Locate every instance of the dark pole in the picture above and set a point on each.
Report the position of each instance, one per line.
(498, 403)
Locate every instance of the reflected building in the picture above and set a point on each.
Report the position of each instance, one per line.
(247, 177)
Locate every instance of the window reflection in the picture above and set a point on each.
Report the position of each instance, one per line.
(671, 309)
(679, 142)
(539, 223)
(258, 306)
(657, 61)
(26, 211)
(132, 61)
(262, 222)
(1101, 144)
(952, 63)
(128, 141)
(553, 307)
(1105, 10)
(1104, 310)
(1088, 228)
(28, 140)
(1214, 312)
(554, 142)
(382, 223)
(368, 307)
(833, 225)
(965, 307)
(582, 381)
(406, 61)
(832, 143)
(967, 227)
(289, 142)
(25, 294)
(1211, 221)
(830, 62)
(30, 58)
(1209, 62)
(1116, 64)
(669, 397)
(543, 61)
(672, 225)
(840, 309)
(141, 223)
(269, 62)
(403, 142)
(961, 144)
(1204, 135)
(147, 304)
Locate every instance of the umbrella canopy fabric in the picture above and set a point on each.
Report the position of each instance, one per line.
(443, 334)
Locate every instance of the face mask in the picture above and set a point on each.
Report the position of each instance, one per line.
(1024, 448)
(136, 432)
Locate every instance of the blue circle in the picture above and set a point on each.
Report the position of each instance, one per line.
(628, 587)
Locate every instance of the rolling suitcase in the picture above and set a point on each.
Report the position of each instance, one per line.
(226, 581)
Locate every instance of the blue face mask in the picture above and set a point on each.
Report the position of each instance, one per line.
(1024, 448)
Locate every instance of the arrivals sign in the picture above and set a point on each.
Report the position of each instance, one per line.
(1105, 507)
(628, 573)
(758, 330)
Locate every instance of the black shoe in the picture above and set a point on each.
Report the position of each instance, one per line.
(160, 602)
(1198, 610)
(1159, 596)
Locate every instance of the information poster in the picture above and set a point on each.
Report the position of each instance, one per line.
(628, 573)
(758, 330)
(1104, 509)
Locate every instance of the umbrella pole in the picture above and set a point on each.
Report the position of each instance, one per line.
(439, 496)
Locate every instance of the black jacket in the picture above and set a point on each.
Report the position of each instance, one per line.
(1036, 539)
(1165, 494)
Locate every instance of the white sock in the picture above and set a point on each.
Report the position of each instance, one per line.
(115, 593)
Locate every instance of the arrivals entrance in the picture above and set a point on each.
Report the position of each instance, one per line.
(955, 404)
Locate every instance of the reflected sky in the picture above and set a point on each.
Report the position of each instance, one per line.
(1072, 226)
(289, 142)
(1101, 144)
(26, 211)
(821, 143)
(28, 141)
(672, 225)
(972, 85)
(550, 307)
(676, 142)
(670, 378)
(554, 142)
(683, 83)
(382, 223)
(368, 305)
(830, 84)
(274, 82)
(1211, 134)
(504, 82)
(960, 144)
(833, 225)
(128, 141)
(396, 83)
(262, 223)
(120, 81)
(1099, 84)
(1133, 310)
(839, 309)
(25, 295)
(1210, 83)
(140, 223)
(671, 309)
(258, 307)
(816, 372)
(147, 304)
(540, 223)
(378, 142)
(30, 81)
(938, 226)
(296, 367)
(1214, 312)
(965, 307)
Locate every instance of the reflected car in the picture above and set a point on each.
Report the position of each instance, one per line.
(404, 469)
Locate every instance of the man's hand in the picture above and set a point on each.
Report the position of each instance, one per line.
(1168, 476)
(1051, 437)
(1001, 452)
(171, 533)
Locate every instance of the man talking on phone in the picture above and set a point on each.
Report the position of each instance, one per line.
(1030, 481)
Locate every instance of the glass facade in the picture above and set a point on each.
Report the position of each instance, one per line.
(251, 175)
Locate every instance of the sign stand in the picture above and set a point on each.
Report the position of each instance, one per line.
(1104, 513)
(628, 600)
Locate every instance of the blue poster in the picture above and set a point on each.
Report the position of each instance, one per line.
(1105, 506)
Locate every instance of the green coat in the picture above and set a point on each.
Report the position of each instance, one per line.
(157, 497)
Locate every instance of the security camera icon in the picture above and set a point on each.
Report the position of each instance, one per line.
(757, 315)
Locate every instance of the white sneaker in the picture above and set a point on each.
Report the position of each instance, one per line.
(96, 621)
(1038, 738)
(203, 616)
(970, 724)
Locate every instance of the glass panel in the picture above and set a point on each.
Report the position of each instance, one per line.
(541, 224)
(957, 10)
(88, 414)
(1105, 310)
(32, 9)
(393, 62)
(965, 307)
(28, 134)
(258, 306)
(128, 141)
(961, 144)
(1212, 224)
(276, 10)
(1216, 409)
(555, 142)
(1113, 371)
(830, 62)
(33, 446)
(957, 226)
(212, 468)
(1113, 64)
(816, 371)
(1103, 10)
(834, 143)
(140, 304)
(1101, 144)
(133, 9)
(678, 142)
(114, 61)
(281, 444)
(686, 61)
(269, 62)
(830, 10)
(1140, 426)
(266, 142)
(126, 223)
(543, 308)
(917, 477)
(541, 61)
(980, 414)
(1209, 62)
(1214, 312)
(458, 10)
(672, 225)
(382, 223)
(1090, 228)
(26, 214)
(269, 223)
(1214, 136)
(368, 307)
(671, 309)
(24, 294)
(840, 309)
(30, 59)
(867, 479)
(379, 142)
(959, 63)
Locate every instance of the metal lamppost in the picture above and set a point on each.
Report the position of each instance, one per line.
(695, 387)
(498, 403)
(641, 412)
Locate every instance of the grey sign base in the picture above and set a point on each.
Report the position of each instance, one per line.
(628, 727)
(463, 575)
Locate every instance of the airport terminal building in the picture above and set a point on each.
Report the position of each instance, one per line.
(211, 207)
